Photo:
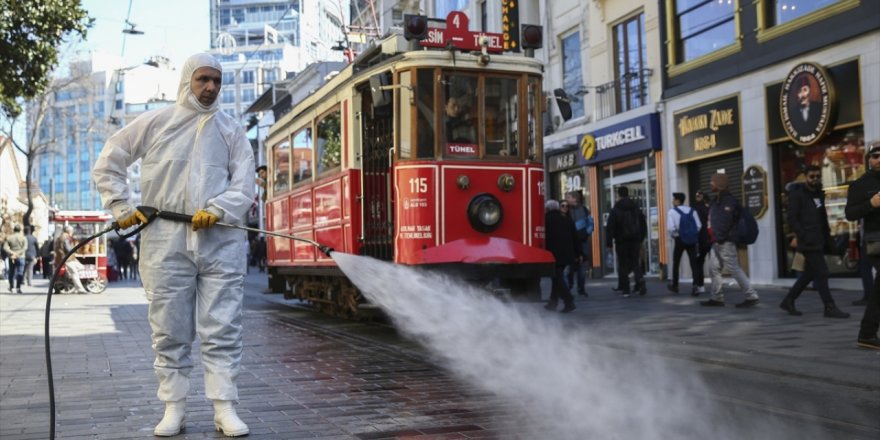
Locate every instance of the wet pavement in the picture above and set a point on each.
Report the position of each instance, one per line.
(309, 376)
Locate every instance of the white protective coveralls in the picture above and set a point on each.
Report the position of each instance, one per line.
(194, 157)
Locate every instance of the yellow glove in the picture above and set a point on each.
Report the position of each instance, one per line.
(203, 220)
(135, 218)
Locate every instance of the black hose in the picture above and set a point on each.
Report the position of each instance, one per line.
(55, 275)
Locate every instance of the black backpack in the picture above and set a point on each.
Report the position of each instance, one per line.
(630, 228)
(746, 230)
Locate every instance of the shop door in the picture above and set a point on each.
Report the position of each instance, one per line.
(639, 176)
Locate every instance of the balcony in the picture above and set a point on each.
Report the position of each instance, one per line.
(623, 94)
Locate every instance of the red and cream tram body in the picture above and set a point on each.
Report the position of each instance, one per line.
(429, 158)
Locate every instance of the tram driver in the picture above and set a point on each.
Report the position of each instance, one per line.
(459, 125)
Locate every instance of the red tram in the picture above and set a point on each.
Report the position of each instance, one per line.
(428, 157)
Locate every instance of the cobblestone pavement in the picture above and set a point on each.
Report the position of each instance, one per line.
(309, 376)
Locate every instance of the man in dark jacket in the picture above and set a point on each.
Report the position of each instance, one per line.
(580, 215)
(701, 205)
(863, 203)
(627, 228)
(808, 219)
(723, 216)
(560, 240)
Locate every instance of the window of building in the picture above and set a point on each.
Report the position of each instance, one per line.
(270, 76)
(302, 155)
(778, 17)
(442, 8)
(247, 77)
(484, 15)
(630, 52)
(227, 96)
(118, 104)
(99, 109)
(703, 27)
(784, 11)
(572, 76)
(247, 95)
(228, 78)
(329, 142)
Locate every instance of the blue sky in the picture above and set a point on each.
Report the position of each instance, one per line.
(173, 28)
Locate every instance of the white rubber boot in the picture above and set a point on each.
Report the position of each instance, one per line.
(172, 422)
(227, 421)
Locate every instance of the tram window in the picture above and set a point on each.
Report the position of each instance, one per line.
(405, 117)
(501, 116)
(534, 112)
(302, 155)
(281, 162)
(459, 115)
(329, 142)
(425, 119)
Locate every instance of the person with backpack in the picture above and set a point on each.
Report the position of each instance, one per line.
(808, 219)
(627, 228)
(725, 217)
(683, 225)
(584, 225)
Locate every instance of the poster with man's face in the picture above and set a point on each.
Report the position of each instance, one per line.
(806, 103)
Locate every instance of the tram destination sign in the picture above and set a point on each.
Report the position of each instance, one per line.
(457, 35)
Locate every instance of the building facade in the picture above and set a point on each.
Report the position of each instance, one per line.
(260, 42)
(71, 125)
(759, 92)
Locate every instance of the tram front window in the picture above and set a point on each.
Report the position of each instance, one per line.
(460, 115)
(501, 110)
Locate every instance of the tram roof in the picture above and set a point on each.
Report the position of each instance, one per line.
(393, 50)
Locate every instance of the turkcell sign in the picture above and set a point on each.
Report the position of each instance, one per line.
(638, 135)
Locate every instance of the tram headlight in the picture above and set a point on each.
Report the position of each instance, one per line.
(485, 213)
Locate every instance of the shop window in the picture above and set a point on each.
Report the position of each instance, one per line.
(329, 142)
(302, 155)
(572, 75)
(630, 52)
(702, 27)
(501, 109)
(841, 155)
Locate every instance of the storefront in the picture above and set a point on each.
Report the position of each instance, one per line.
(753, 128)
(565, 173)
(626, 154)
(814, 117)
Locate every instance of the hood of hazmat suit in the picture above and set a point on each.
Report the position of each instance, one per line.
(192, 157)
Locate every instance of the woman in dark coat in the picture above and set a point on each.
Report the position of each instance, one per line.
(560, 240)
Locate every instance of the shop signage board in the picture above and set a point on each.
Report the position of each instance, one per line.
(708, 130)
(638, 135)
(807, 103)
(510, 24)
(845, 76)
(754, 190)
(562, 161)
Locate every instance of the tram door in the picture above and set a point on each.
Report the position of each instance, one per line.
(378, 139)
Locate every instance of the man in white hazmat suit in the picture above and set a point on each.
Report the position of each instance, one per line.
(196, 159)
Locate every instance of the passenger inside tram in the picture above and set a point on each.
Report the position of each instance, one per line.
(459, 124)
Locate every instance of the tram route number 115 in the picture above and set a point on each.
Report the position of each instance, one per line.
(418, 185)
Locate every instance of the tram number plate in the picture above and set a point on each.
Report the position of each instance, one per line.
(89, 271)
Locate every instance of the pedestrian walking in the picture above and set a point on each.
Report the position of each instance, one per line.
(723, 217)
(808, 218)
(583, 225)
(30, 255)
(701, 205)
(15, 246)
(560, 240)
(863, 204)
(47, 255)
(683, 225)
(627, 229)
(199, 161)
